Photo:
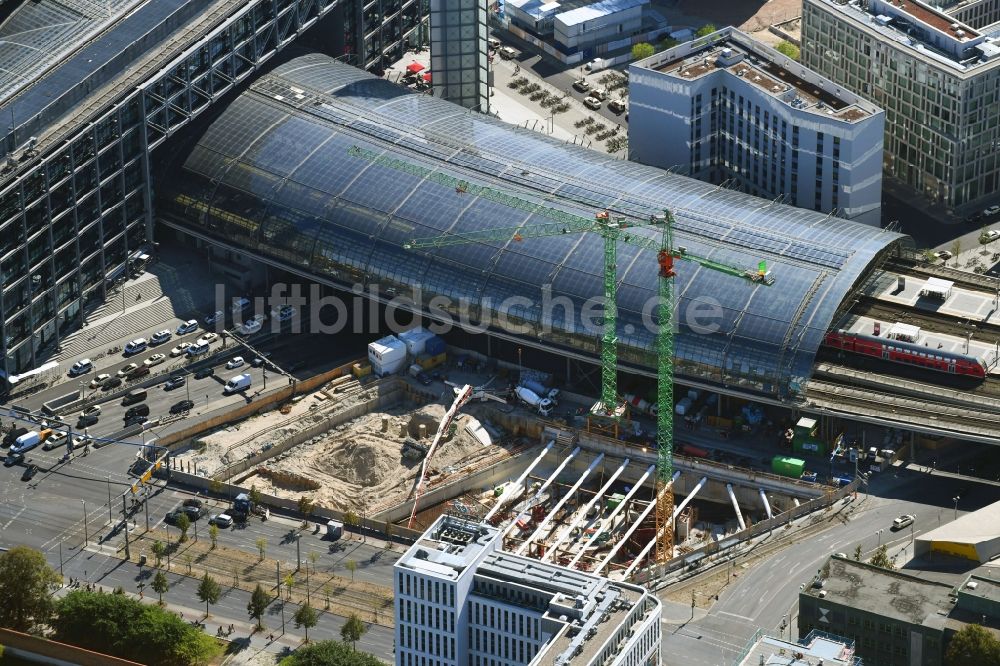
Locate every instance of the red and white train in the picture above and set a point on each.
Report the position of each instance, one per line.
(899, 351)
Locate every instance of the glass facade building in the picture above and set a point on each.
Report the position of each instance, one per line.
(274, 176)
(459, 64)
(76, 199)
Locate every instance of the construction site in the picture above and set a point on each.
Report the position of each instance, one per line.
(394, 451)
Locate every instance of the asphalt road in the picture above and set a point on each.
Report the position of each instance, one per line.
(761, 596)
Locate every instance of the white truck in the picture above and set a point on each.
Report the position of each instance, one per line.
(237, 384)
(542, 405)
(540, 390)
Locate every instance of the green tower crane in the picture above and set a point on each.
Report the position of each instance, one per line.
(612, 231)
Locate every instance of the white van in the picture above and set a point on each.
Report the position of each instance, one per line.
(494, 43)
(136, 346)
(26, 442)
(237, 384)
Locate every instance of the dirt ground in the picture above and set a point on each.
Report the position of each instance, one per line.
(748, 15)
(359, 466)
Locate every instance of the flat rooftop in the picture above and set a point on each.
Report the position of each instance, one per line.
(883, 592)
(744, 57)
(816, 649)
(923, 29)
(449, 547)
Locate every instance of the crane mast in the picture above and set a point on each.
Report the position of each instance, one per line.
(612, 231)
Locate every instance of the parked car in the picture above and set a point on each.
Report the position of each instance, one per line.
(991, 234)
(29, 472)
(174, 382)
(181, 407)
(160, 337)
(93, 409)
(172, 516)
(141, 371)
(193, 512)
(223, 520)
(260, 360)
(944, 255)
(216, 316)
(193, 501)
(125, 371)
(13, 459)
(235, 363)
(54, 441)
(86, 420)
(179, 349)
(204, 372)
(507, 52)
(250, 327)
(197, 348)
(617, 105)
(136, 419)
(81, 367)
(135, 346)
(990, 211)
(424, 378)
(592, 103)
(187, 327)
(599, 93)
(155, 359)
(286, 312)
(111, 384)
(208, 338)
(99, 380)
(581, 85)
(241, 304)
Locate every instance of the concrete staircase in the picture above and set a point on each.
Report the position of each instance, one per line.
(141, 320)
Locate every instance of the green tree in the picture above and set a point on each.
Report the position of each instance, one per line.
(306, 617)
(254, 495)
(353, 630)
(261, 547)
(125, 627)
(788, 49)
(351, 519)
(209, 591)
(159, 550)
(213, 534)
(642, 50)
(857, 553)
(183, 524)
(216, 486)
(704, 30)
(667, 43)
(351, 566)
(881, 558)
(326, 593)
(289, 584)
(972, 645)
(258, 603)
(306, 507)
(329, 653)
(956, 249)
(26, 583)
(160, 584)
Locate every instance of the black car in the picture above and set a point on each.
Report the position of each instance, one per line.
(29, 472)
(13, 459)
(424, 378)
(86, 420)
(193, 501)
(171, 518)
(136, 419)
(181, 407)
(111, 383)
(204, 372)
(174, 382)
(193, 512)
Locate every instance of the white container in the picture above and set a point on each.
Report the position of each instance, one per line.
(415, 340)
(387, 355)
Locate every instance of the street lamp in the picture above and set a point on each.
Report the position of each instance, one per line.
(879, 535)
(955, 499)
(86, 536)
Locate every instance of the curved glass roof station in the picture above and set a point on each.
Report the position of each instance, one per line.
(273, 174)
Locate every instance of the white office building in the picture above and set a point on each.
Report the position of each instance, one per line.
(726, 108)
(578, 25)
(461, 601)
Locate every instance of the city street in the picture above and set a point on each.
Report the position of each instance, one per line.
(763, 595)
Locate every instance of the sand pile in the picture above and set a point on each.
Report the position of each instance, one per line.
(361, 467)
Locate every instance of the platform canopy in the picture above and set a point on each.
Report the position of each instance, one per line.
(937, 287)
(906, 332)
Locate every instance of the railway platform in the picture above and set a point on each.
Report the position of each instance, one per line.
(978, 306)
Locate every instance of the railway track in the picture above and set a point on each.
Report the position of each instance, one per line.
(903, 408)
(938, 322)
(983, 283)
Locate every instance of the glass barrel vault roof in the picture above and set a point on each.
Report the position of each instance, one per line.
(273, 174)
